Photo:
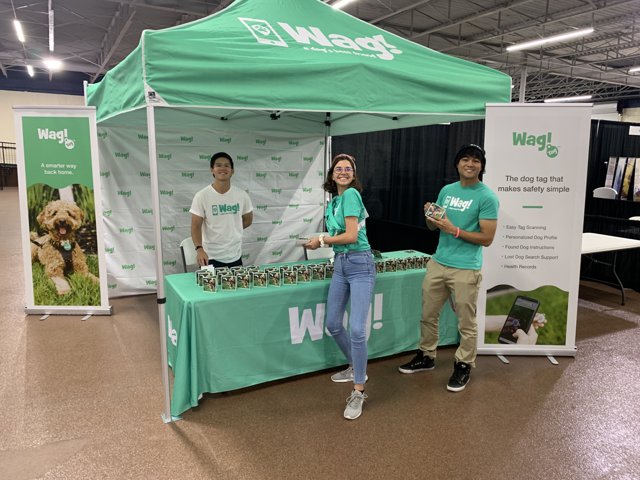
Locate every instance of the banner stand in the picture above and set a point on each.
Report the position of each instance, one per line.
(61, 211)
(537, 166)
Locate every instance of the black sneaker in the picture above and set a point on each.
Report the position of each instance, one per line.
(460, 377)
(419, 363)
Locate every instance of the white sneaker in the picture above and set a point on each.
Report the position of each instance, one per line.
(354, 405)
(345, 375)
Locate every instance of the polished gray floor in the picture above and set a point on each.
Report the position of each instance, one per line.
(83, 399)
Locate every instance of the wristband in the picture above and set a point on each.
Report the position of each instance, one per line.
(457, 232)
(197, 247)
(321, 238)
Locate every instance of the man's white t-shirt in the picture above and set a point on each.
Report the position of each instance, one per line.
(222, 226)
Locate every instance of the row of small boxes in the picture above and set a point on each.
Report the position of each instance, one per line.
(400, 264)
(223, 278)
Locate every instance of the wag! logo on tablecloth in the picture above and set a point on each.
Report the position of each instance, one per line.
(299, 325)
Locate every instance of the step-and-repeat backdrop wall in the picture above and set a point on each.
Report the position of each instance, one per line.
(283, 176)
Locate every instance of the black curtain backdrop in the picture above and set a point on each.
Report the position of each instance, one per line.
(402, 169)
(609, 139)
(611, 217)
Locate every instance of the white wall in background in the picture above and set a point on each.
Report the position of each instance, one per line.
(631, 115)
(9, 98)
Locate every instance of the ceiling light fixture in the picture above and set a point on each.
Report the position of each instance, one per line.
(30, 71)
(634, 69)
(553, 39)
(568, 99)
(341, 3)
(50, 27)
(19, 32)
(52, 64)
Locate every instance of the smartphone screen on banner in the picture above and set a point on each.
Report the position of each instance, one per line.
(520, 316)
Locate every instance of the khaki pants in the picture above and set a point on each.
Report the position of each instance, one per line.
(439, 283)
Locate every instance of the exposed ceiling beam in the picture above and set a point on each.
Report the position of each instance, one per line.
(120, 23)
(198, 13)
(557, 17)
(398, 12)
(470, 18)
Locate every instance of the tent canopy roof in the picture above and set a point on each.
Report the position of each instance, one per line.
(290, 65)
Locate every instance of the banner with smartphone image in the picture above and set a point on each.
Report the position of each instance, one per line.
(537, 165)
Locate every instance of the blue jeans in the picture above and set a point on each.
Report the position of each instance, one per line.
(354, 276)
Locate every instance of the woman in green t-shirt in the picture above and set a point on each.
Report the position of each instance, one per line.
(354, 275)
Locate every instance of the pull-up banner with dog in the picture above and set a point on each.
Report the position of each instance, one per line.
(60, 211)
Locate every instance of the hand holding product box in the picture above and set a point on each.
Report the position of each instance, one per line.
(434, 211)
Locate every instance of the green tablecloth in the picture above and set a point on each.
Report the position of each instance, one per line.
(232, 339)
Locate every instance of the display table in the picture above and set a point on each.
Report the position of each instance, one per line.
(593, 243)
(232, 339)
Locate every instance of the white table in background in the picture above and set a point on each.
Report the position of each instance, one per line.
(598, 243)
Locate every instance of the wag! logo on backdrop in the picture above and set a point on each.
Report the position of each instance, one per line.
(318, 41)
(60, 136)
(541, 142)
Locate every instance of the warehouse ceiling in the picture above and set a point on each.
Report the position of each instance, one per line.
(92, 36)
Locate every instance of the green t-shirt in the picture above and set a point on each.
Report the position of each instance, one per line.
(349, 204)
(465, 207)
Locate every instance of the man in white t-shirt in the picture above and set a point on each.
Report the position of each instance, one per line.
(219, 214)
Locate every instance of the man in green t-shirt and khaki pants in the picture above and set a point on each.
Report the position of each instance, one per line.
(468, 224)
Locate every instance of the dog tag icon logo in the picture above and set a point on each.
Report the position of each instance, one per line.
(263, 32)
(214, 209)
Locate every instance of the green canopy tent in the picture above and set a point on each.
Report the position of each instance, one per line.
(296, 66)
(295, 60)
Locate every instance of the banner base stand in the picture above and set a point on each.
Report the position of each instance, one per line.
(502, 358)
(531, 351)
(46, 311)
(552, 360)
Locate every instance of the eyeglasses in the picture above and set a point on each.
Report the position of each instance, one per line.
(341, 169)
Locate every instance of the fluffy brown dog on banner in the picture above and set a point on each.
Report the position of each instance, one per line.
(58, 250)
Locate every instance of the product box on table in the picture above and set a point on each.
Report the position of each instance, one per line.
(228, 282)
(259, 279)
(274, 278)
(290, 277)
(243, 280)
(317, 272)
(390, 265)
(210, 283)
(304, 274)
(328, 271)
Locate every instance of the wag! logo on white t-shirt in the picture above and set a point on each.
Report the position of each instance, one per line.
(225, 209)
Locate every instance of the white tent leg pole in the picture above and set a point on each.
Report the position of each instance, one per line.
(327, 164)
(155, 201)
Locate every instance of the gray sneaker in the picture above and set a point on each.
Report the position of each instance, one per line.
(345, 375)
(354, 405)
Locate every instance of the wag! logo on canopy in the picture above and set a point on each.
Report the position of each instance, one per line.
(374, 46)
